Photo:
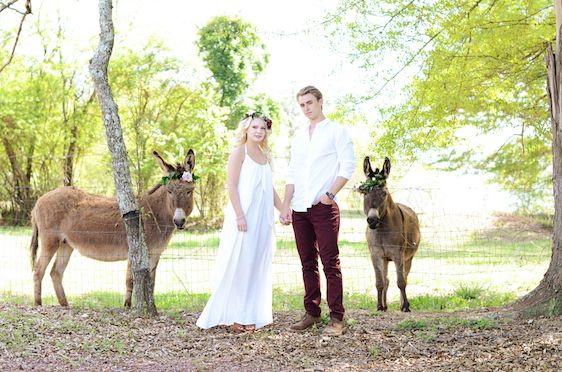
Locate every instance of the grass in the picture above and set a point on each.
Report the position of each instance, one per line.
(464, 297)
(479, 255)
(15, 231)
(22, 333)
(446, 323)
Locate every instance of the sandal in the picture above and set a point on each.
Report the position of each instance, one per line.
(237, 328)
(251, 328)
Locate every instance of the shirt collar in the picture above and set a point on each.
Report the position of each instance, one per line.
(321, 123)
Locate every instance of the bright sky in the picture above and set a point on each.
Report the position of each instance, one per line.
(291, 29)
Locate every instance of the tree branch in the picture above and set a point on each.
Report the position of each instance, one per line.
(27, 11)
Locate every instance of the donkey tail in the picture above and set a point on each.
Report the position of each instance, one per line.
(34, 243)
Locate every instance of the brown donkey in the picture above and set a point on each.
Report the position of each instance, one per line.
(67, 218)
(393, 233)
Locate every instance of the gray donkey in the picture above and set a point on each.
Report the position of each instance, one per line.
(393, 233)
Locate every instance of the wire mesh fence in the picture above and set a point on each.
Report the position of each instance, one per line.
(457, 247)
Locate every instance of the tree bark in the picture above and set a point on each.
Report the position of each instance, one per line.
(546, 299)
(128, 205)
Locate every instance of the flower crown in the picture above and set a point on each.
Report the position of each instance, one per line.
(265, 118)
(367, 186)
(177, 175)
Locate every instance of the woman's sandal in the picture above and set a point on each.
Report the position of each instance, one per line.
(237, 328)
(251, 328)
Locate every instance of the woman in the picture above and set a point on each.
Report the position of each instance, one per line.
(242, 291)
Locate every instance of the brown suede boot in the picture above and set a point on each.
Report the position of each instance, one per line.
(306, 321)
(334, 328)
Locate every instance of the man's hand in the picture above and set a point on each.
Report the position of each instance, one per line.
(286, 217)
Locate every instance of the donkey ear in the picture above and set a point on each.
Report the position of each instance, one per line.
(367, 167)
(189, 162)
(167, 168)
(386, 167)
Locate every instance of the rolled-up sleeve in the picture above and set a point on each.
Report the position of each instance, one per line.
(344, 148)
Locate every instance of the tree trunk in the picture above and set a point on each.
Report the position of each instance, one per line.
(546, 299)
(22, 195)
(70, 154)
(128, 205)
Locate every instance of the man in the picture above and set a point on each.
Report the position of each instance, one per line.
(322, 161)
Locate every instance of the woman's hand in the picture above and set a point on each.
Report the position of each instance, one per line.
(241, 223)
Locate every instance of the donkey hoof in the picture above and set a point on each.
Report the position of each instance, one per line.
(127, 304)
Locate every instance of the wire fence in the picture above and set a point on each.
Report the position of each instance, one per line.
(459, 246)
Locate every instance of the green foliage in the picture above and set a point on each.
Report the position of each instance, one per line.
(161, 111)
(469, 291)
(411, 325)
(258, 103)
(458, 301)
(524, 168)
(475, 65)
(367, 186)
(44, 118)
(234, 53)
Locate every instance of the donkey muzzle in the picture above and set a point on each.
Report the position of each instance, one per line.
(179, 219)
(373, 222)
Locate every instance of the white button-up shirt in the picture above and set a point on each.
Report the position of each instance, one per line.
(316, 162)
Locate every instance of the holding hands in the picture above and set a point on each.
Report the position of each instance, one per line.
(285, 215)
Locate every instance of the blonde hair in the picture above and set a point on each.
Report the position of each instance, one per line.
(241, 135)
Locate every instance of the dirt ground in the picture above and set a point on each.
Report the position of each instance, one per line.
(57, 339)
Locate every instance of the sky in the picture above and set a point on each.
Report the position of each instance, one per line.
(300, 54)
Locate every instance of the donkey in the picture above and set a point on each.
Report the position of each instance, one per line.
(393, 233)
(67, 218)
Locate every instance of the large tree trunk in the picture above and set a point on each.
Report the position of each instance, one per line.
(546, 299)
(128, 205)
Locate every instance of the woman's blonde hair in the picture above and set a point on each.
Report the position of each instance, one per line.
(241, 135)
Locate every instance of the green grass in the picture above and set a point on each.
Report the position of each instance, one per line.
(446, 323)
(15, 231)
(17, 331)
(464, 297)
(22, 333)
(489, 250)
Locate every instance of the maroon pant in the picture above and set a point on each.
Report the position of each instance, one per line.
(316, 233)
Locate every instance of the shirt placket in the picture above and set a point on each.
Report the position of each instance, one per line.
(308, 165)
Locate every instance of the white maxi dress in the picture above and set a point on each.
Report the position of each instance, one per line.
(242, 290)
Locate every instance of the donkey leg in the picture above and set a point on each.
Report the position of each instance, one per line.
(153, 265)
(380, 278)
(129, 285)
(401, 275)
(46, 253)
(386, 283)
(57, 272)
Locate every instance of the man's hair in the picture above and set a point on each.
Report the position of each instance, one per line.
(312, 90)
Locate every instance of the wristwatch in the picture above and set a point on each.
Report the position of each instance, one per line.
(330, 195)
